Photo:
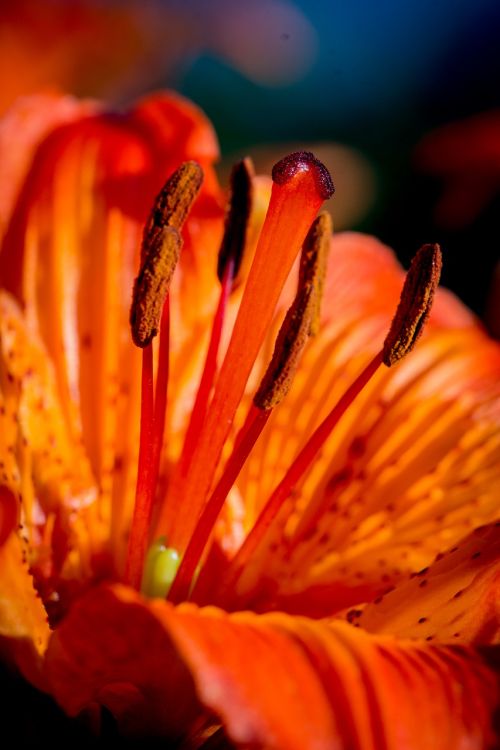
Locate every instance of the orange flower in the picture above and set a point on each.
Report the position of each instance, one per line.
(346, 531)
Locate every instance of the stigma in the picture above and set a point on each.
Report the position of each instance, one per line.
(169, 550)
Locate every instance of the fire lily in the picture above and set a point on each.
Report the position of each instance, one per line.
(324, 527)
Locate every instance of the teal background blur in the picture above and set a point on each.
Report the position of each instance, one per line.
(381, 76)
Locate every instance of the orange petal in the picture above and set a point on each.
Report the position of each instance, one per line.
(113, 650)
(411, 468)
(70, 255)
(22, 128)
(24, 631)
(36, 438)
(274, 681)
(456, 599)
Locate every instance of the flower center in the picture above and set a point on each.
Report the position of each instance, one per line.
(188, 513)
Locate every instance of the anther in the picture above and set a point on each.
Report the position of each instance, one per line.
(415, 304)
(304, 161)
(300, 318)
(173, 202)
(313, 262)
(237, 218)
(152, 285)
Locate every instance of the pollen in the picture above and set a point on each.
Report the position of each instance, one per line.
(415, 304)
(173, 203)
(152, 285)
(313, 262)
(160, 250)
(237, 219)
(300, 319)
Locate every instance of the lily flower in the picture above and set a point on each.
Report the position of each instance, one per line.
(235, 507)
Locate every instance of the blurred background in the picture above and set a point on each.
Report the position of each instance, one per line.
(400, 99)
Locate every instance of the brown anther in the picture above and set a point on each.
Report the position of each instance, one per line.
(302, 161)
(237, 218)
(152, 285)
(173, 203)
(313, 262)
(301, 318)
(415, 304)
(161, 244)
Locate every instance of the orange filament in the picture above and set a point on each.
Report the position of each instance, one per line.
(161, 391)
(301, 184)
(298, 469)
(207, 379)
(153, 413)
(143, 497)
(245, 441)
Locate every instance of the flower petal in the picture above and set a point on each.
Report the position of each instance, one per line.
(35, 430)
(70, 257)
(275, 681)
(456, 598)
(113, 650)
(24, 631)
(22, 129)
(412, 466)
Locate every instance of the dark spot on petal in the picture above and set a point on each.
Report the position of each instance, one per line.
(86, 341)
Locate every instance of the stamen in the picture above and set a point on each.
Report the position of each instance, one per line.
(159, 255)
(416, 300)
(160, 249)
(301, 184)
(275, 384)
(237, 219)
(152, 285)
